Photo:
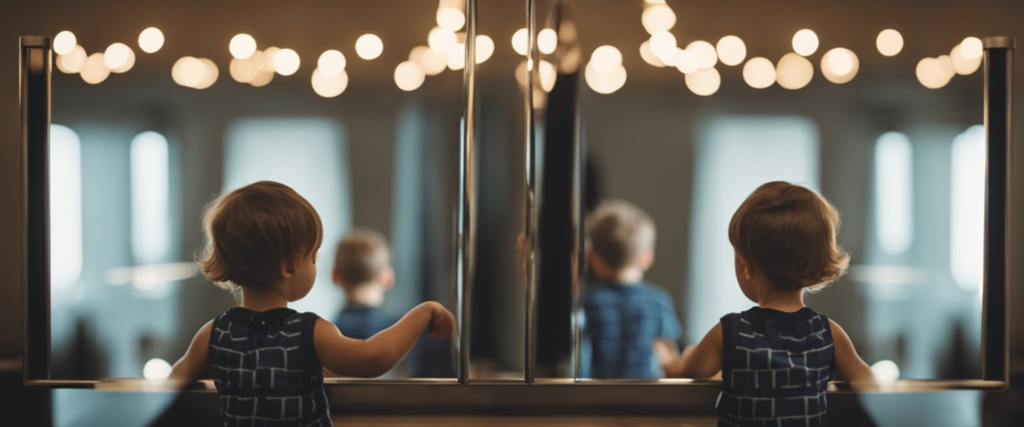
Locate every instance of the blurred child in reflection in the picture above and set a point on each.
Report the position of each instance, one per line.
(625, 316)
(777, 358)
(267, 361)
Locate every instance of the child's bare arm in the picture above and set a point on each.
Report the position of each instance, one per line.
(701, 361)
(848, 364)
(378, 354)
(195, 364)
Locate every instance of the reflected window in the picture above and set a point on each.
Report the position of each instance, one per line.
(735, 155)
(150, 190)
(894, 192)
(967, 240)
(307, 154)
(65, 208)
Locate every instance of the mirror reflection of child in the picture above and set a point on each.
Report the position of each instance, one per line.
(267, 361)
(624, 315)
(776, 359)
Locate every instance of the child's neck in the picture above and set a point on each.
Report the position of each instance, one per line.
(263, 299)
(626, 276)
(368, 295)
(787, 301)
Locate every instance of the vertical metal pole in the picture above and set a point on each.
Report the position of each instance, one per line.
(530, 232)
(467, 194)
(998, 124)
(579, 252)
(35, 141)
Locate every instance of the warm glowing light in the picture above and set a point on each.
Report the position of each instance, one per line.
(794, 71)
(604, 83)
(705, 52)
(188, 71)
(759, 73)
(73, 62)
(441, 40)
(369, 46)
(731, 50)
(704, 82)
(286, 62)
(156, 369)
(433, 62)
(930, 74)
(839, 65)
(116, 55)
(805, 42)
(64, 42)
(244, 70)
(450, 18)
(971, 48)
(963, 66)
(127, 65)
(548, 75)
(658, 18)
(885, 371)
(242, 46)
(671, 58)
(331, 62)
(263, 78)
(329, 86)
(268, 59)
(648, 55)
(663, 43)
(210, 74)
(606, 59)
(484, 48)
(889, 42)
(946, 65)
(416, 54)
(151, 40)
(409, 76)
(686, 62)
(95, 71)
(547, 41)
(520, 40)
(457, 57)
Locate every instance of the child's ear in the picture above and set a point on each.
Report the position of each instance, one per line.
(646, 260)
(334, 276)
(287, 269)
(748, 272)
(387, 278)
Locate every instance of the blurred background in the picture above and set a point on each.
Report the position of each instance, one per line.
(885, 124)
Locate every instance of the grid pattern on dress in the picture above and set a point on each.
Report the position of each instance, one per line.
(622, 322)
(776, 368)
(263, 374)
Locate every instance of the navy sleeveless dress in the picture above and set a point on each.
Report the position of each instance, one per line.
(265, 369)
(776, 367)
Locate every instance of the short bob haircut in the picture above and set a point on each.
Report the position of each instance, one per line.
(360, 258)
(620, 232)
(253, 232)
(788, 233)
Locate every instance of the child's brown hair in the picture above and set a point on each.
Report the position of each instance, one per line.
(620, 232)
(254, 231)
(361, 256)
(788, 233)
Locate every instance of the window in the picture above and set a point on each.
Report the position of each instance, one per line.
(150, 192)
(65, 209)
(735, 155)
(894, 192)
(307, 154)
(967, 219)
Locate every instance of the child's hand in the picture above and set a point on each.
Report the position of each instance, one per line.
(442, 322)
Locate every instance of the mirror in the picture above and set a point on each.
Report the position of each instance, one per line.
(720, 104)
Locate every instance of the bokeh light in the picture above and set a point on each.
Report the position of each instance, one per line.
(731, 50)
(889, 42)
(686, 62)
(663, 43)
(484, 48)
(658, 18)
(369, 46)
(210, 74)
(606, 59)
(972, 48)
(409, 76)
(839, 65)
(457, 57)
(548, 75)
(116, 55)
(520, 40)
(794, 71)
(188, 71)
(244, 70)
(127, 65)
(705, 52)
(156, 369)
(547, 41)
(433, 62)
(450, 18)
(242, 46)
(930, 74)
(441, 40)
(64, 42)
(286, 62)
(95, 70)
(73, 62)
(648, 55)
(704, 82)
(962, 65)
(604, 83)
(151, 40)
(331, 62)
(805, 42)
(329, 86)
(759, 73)
(885, 371)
